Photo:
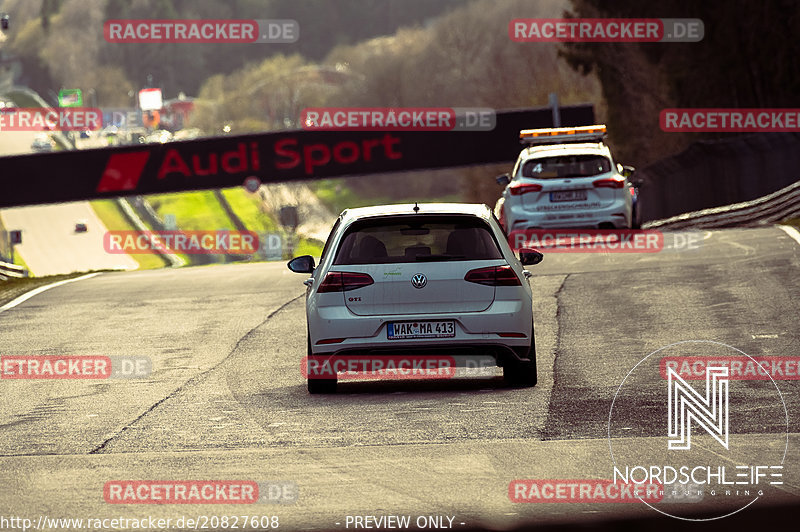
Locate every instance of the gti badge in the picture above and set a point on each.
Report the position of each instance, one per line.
(419, 280)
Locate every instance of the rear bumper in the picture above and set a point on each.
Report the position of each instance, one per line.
(474, 331)
(617, 213)
(461, 354)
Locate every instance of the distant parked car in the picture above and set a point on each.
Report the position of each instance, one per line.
(81, 226)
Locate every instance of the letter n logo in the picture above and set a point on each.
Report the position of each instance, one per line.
(686, 404)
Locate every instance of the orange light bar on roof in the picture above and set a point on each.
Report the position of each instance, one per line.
(597, 129)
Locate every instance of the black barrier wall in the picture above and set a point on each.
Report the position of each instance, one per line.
(271, 157)
(719, 172)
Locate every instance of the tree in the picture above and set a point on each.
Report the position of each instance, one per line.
(464, 59)
(746, 59)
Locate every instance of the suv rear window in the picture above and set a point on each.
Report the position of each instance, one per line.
(566, 166)
(417, 239)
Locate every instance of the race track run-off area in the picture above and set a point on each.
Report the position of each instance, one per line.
(226, 400)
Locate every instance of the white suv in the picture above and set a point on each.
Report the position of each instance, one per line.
(567, 178)
(420, 280)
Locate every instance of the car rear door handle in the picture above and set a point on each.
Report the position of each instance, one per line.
(527, 274)
(309, 281)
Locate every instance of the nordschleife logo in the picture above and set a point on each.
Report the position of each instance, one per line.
(713, 447)
(685, 404)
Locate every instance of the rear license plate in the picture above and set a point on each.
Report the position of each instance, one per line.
(568, 195)
(400, 330)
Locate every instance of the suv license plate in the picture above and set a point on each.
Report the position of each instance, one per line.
(568, 195)
(400, 330)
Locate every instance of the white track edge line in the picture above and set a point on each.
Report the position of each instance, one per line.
(791, 231)
(27, 295)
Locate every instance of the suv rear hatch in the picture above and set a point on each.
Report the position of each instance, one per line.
(566, 182)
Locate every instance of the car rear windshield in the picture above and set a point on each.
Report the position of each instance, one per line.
(417, 239)
(566, 166)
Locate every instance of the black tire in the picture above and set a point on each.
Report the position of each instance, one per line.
(319, 386)
(636, 217)
(522, 373)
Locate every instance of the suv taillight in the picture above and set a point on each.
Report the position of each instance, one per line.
(518, 189)
(493, 276)
(610, 183)
(344, 281)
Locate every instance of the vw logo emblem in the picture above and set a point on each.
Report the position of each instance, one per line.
(419, 280)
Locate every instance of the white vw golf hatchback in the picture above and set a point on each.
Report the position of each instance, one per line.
(423, 281)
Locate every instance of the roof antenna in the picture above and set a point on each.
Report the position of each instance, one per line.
(416, 207)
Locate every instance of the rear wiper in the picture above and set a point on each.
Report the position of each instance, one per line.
(431, 258)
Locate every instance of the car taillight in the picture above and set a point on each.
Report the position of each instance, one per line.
(610, 183)
(523, 188)
(344, 281)
(493, 276)
(330, 341)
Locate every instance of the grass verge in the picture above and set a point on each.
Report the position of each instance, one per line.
(309, 246)
(200, 211)
(193, 211)
(19, 261)
(110, 214)
(794, 222)
(247, 207)
(337, 196)
(21, 99)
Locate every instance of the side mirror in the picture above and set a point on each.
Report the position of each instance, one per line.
(628, 171)
(503, 179)
(530, 257)
(302, 264)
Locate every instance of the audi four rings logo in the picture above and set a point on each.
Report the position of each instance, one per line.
(419, 280)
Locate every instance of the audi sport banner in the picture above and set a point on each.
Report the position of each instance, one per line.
(270, 157)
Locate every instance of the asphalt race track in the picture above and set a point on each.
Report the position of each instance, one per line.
(226, 399)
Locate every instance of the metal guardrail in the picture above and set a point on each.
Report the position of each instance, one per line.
(780, 205)
(8, 271)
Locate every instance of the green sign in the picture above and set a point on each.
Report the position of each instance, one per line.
(70, 98)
